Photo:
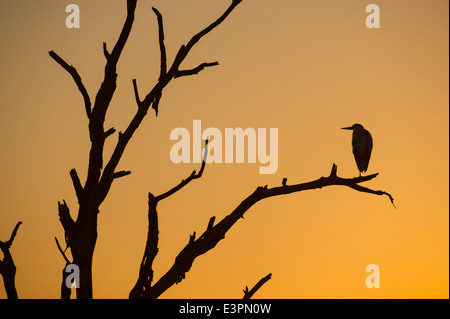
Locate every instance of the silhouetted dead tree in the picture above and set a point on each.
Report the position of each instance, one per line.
(81, 233)
(7, 267)
(215, 233)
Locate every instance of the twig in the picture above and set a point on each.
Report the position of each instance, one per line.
(121, 174)
(136, 92)
(13, 235)
(162, 47)
(196, 70)
(110, 132)
(249, 294)
(62, 251)
(105, 51)
(76, 77)
(183, 183)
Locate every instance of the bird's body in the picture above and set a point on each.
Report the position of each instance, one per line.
(362, 146)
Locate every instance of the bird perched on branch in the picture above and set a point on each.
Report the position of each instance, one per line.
(362, 146)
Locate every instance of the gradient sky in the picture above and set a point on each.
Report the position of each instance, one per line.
(307, 68)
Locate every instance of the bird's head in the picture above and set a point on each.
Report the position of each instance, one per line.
(354, 127)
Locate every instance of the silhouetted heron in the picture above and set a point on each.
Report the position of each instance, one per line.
(362, 146)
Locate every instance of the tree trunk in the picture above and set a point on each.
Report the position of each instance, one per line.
(82, 247)
(85, 291)
(10, 286)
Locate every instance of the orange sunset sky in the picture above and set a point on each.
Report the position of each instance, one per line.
(305, 67)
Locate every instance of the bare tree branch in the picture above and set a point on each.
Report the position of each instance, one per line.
(210, 223)
(105, 51)
(121, 174)
(66, 220)
(183, 183)
(162, 47)
(110, 132)
(195, 70)
(136, 93)
(102, 102)
(182, 53)
(76, 77)
(120, 44)
(333, 179)
(62, 251)
(363, 189)
(13, 235)
(154, 96)
(185, 49)
(143, 284)
(214, 234)
(7, 267)
(249, 294)
(77, 184)
(145, 277)
(155, 103)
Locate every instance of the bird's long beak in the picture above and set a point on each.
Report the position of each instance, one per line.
(347, 128)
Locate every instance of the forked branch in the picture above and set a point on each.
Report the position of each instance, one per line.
(153, 98)
(213, 234)
(143, 284)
